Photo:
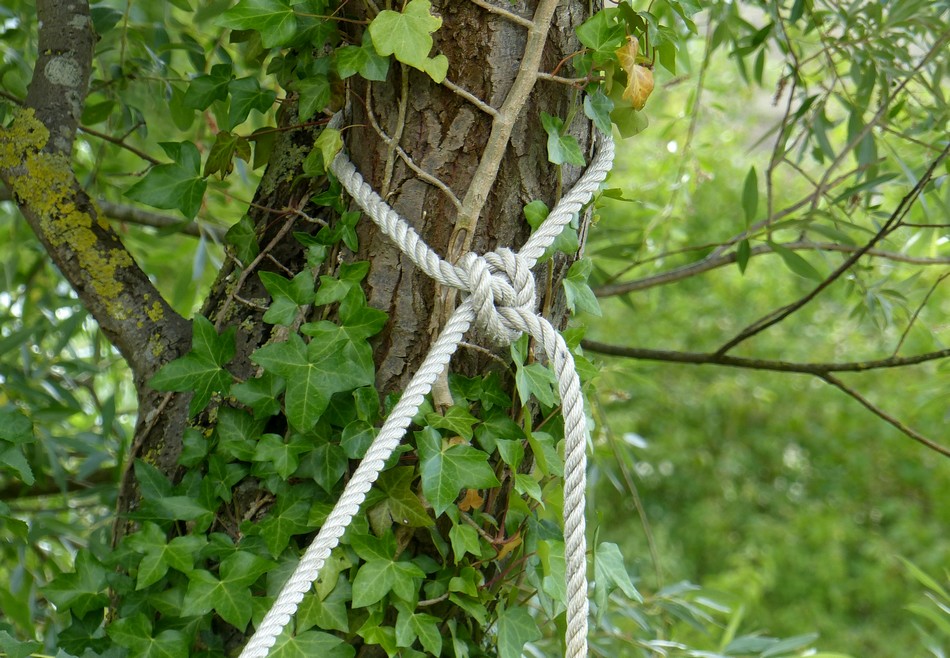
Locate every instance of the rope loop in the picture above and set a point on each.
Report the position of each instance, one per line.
(498, 279)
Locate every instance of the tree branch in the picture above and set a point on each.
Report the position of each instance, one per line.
(132, 215)
(823, 371)
(35, 164)
(721, 260)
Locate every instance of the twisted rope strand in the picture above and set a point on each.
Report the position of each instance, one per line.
(501, 298)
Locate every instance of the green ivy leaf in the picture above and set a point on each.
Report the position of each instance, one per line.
(283, 456)
(603, 34)
(228, 596)
(309, 644)
(457, 419)
(447, 469)
(226, 147)
(331, 464)
(538, 380)
(247, 95)
(376, 578)
(397, 499)
(289, 517)
(597, 108)
(407, 35)
(314, 372)
(236, 433)
(206, 89)
(13, 648)
(411, 626)
(81, 591)
(243, 238)
(287, 296)
(174, 186)
(315, 93)
(329, 613)
(135, 634)
(260, 394)
(579, 295)
(464, 540)
(202, 369)
(363, 60)
(274, 19)
(516, 627)
(562, 149)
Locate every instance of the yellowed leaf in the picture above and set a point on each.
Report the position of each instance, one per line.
(639, 78)
(471, 500)
(508, 546)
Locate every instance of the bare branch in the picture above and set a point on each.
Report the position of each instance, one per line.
(714, 358)
(821, 370)
(712, 263)
(880, 413)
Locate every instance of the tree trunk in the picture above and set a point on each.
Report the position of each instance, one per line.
(406, 118)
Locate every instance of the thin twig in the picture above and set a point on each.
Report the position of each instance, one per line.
(471, 98)
(118, 141)
(514, 18)
(920, 307)
(707, 264)
(880, 413)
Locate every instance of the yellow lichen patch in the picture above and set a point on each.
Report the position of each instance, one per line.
(26, 134)
(44, 183)
(155, 345)
(156, 313)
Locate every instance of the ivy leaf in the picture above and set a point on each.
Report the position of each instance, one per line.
(447, 469)
(363, 60)
(315, 93)
(243, 238)
(398, 499)
(315, 372)
(206, 89)
(288, 518)
(81, 591)
(309, 644)
(16, 430)
(538, 380)
(260, 394)
(174, 186)
(284, 457)
(274, 19)
(597, 108)
(14, 648)
(202, 369)
(561, 148)
(331, 465)
(603, 34)
(229, 596)
(247, 95)
(407, 35)
(135, 634)
(457, 419)
(410, 626)
(516, 627)
(464, 540)
(329, 613)
(376, 578)
(226, 147)
(287, 296)
(579, 295)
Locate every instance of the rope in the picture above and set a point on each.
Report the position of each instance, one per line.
(500, 298)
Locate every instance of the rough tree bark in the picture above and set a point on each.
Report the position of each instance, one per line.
(436, 127)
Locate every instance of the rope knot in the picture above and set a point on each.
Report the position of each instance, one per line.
(499, 279)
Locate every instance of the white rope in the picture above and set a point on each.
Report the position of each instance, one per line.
(500, 297)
